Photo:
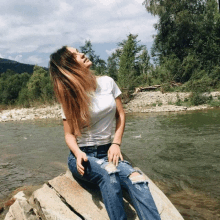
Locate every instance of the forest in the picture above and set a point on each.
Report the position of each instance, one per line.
(186, 50)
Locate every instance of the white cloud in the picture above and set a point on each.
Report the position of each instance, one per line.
(31, 26)
(16, 58)
(2, 56)
(109, 52)
(34, 60)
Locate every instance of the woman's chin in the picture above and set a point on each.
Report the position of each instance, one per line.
(88, 64)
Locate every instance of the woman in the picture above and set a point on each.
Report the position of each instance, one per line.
(89, 107)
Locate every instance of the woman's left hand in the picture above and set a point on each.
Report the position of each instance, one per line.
(114, 154)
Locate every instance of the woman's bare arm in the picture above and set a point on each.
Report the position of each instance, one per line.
(114, 152)
(73, 146)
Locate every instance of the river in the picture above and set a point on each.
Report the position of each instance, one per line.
(178, 151)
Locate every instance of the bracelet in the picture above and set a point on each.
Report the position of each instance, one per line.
(117, 144)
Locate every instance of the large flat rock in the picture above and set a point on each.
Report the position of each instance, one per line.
(64, 198)
(76, 193)
(85, 199)
(50, 206)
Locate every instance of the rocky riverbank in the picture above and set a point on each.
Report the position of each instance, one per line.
(21, 114)
(142, 102)
(163, 102)
(65, 198)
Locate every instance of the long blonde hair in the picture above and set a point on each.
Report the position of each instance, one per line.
(72, 85)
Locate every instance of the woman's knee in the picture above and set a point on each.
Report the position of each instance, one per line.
(102, 166)
(109, 173)
(137, 177)
(131, 176)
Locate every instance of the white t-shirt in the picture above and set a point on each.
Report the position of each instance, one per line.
(102, 113)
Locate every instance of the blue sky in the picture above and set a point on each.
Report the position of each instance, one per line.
(31, 30)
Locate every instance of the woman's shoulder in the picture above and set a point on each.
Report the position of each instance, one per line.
(104, 79)
(104, 83)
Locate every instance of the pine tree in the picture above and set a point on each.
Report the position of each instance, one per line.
(113, 66)
(128, 62)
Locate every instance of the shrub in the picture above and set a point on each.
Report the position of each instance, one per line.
(190, 65)
(215, 74)
(178, 102)
(214, 103)
(126, 95)
(166, 87)
(198, 99)
(199, 83)
(23, 98)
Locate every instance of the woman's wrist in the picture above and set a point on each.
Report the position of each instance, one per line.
(77, 152)
(116, 144)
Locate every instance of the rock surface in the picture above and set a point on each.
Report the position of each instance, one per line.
(21, 209)
(64, 198)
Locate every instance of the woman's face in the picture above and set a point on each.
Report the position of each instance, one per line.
(80, 57)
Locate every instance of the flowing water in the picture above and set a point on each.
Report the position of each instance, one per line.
(178, 151)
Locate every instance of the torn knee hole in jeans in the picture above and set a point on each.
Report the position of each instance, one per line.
(111, 168)
(137, 177)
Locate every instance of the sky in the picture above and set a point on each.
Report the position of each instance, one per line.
(30, 30)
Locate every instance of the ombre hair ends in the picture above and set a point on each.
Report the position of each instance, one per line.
(73, 86)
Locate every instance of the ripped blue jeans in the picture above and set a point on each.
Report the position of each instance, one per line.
(110, 179)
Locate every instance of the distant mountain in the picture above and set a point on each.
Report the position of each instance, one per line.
(6, 64)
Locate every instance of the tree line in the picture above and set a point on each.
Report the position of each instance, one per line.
(128, 65)
(186, 49)
(25, 88)
(187, 44)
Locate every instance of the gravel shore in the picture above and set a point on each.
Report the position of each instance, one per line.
(142, 102)
(162, 102)
(21, 114)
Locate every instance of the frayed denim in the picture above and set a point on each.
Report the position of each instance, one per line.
(110, 179)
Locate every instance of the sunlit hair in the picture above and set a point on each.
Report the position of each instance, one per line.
(73, 85)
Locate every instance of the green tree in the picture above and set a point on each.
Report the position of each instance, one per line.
(98, 65)
(39, 86)
(187, 31)
(144, 67)
(11, 84)
(144, 61)
(129, 61)
(113, 66)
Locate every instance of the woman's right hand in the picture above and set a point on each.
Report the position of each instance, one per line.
(81, 156)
